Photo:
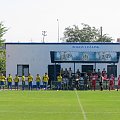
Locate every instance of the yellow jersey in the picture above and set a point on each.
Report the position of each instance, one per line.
(23, 78)
(59, 78)
(9, 78)
(37, 78)
(16, 79)
(2, 78)
(30, 78)
(45, 78)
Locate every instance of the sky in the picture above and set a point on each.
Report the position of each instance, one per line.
(26, 19)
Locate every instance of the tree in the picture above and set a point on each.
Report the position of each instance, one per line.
(2, 61)
(86, 34)
(2, 50)
(2, 32)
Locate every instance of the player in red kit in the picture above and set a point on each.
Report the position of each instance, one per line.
(111, 82)
(118, 87)
(103, 72)
(93, 81)
(105, 79)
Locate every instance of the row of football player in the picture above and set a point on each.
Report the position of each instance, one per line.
(9, 80)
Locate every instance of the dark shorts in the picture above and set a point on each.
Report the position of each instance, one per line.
(38, 83)
(23, 83)
(16, 83)
(100, 83)
(9, 83)
(30, 84)
(2, 83)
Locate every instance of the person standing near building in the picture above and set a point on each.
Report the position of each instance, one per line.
(100, 79)
(38, 82)
(59, 82)
(78, 72)
(65, 79)
(77, 81)
(16, 81)
(30, 79)
(94, 71)
(103, 72)
(118, 87)
(85, 78)
(9, 80)
(70, 77)
(2, 81)
(45, 81)
(62, 72)
(99, 73)
(23, 82)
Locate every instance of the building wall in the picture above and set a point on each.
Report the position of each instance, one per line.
(37, 55)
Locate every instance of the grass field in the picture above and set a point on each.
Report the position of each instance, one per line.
(59, 105)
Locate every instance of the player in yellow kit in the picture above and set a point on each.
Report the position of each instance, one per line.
(23, 82)
(16, 81)
(59, 82)
(2, 81)
(38, 82)
(30, 79)
(9, 80)
(45, 81)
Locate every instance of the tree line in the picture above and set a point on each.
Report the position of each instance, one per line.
(85, 34)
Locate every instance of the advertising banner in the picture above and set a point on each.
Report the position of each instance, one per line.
(73, 56)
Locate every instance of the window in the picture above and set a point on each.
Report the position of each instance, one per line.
(112, 69)
(87, 68)
(22, 69)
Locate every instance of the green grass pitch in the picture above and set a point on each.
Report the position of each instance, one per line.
(59, 105)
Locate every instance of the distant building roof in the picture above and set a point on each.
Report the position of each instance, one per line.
(68, 43)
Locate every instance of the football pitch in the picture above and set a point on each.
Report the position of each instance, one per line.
(59, 105)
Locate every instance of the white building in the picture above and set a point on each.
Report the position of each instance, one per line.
(35, 57)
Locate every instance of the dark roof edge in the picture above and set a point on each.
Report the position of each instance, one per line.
(64, 43)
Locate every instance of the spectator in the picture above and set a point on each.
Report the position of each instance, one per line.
(62, 72)
(85, 78)
(101, 82)
(77, 80)
(70, 77)
(99, 73)
(65, 79)
(103, 72)
(78, 72)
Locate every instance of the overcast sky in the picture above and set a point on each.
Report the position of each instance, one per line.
(26, 19)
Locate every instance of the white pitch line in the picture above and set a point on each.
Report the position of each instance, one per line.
(80, 105)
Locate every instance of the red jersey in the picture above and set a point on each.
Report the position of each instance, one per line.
(94, 78)
(103, 73)
(111, 80)
(119, 80)
(105, 77)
